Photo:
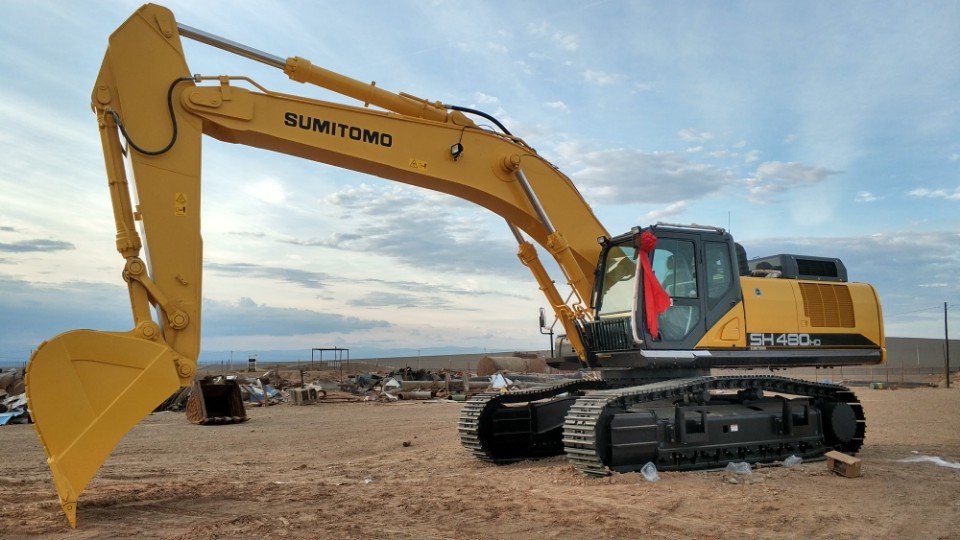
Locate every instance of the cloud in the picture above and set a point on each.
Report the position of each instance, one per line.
(631, 176)
(246, 234)
(558, 105)
(774, 178)
(538, 29)
(954, 157)
(719, 154)
(439, 288)
(644, 86)
(791, 138)
(485, 99)
(33, 312)
(320, 280)
(565, 40)
(692, 135)
(865, 197)
(7, 229)
(334, 240)
(497, 47)
(672, 209)
(751, 156)
(304, 278)
(268, 190)
(524, 67)
(600, 78)
(400, 300)
(569, 42)
(38, 245)
(423, 230)
(247, 318)
(740, 144)
(924, 193)
(694, 150)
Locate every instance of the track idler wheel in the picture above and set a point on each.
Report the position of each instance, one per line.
(839, 423)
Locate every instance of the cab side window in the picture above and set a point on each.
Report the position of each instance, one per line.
(719, 271)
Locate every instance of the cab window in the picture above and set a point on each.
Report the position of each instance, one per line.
(619, 274)
(675, 266)
(719, 271)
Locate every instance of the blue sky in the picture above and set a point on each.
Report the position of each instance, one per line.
(814, 127)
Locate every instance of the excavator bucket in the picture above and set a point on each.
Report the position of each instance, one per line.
(216, 402)
(85, 391)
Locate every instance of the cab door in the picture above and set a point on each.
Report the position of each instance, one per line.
(696, 269)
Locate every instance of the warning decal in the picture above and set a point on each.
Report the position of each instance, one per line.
(180, 204)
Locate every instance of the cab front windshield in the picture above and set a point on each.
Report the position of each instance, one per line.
(619, 274)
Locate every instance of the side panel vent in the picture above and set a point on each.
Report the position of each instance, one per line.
(828, 306)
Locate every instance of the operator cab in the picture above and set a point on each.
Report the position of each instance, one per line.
(697, 266)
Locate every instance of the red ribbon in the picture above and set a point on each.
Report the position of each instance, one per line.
(655, 299)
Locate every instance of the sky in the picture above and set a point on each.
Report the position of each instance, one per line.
(816, 128)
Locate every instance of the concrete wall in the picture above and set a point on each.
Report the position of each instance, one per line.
(921, 352)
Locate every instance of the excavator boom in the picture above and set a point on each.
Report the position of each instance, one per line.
(88, 388)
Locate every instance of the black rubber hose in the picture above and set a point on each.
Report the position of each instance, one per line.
(480, 113)
(173, 120)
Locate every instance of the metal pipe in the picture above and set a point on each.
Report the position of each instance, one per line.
(418, 385)
(516, 232)
(541, 213)
(416, 394)
(231, 46)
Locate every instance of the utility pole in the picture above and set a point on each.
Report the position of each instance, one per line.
(946, 346)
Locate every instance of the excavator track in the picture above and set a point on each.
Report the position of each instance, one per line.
(587, 425)
(477, 417)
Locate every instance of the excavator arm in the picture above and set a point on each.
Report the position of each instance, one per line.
(87, 388)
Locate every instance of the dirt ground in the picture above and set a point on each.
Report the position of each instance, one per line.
(341, 470)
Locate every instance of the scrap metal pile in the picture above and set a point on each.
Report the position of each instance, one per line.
(13, 400)
(408, 383)
(222, 399)
(254, 391)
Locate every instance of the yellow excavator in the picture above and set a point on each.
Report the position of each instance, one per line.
(651, 311)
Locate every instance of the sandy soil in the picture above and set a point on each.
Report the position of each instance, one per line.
(341, 470)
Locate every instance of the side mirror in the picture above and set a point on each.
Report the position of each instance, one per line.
(543, 319)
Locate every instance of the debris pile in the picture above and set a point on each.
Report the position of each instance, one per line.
(257, 393)
(176, 402)
(403, 384)
(254, 391)
(306, 395)
(520, 363)
(408, 383)
(13, 399)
